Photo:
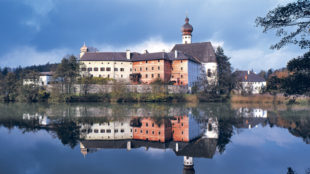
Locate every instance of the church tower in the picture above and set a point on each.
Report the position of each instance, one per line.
(187, 30)
(84, 49)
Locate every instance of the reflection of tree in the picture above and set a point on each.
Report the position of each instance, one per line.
(67, 131)
(297, 122)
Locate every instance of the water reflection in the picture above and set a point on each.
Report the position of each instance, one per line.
(190, 132)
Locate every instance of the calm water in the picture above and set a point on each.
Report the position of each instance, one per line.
(153, 138)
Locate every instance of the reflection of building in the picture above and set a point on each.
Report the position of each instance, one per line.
(252, 112)
(212, 129)
(114, 130)
(185, 128)
(252, 117)
(188, 165)
(150, 130)
(43, 120)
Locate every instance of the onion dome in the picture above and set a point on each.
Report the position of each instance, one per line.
(187, 28)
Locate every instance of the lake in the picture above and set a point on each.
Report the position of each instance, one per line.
(154, 138)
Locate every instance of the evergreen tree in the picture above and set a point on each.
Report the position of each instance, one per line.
(225, 78)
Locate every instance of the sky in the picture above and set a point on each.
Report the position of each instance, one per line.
(42, 31)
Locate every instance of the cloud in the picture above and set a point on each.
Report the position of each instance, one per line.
(263, 135)
(258, 58)
(40, 7)
(27, 55)
(153, 44)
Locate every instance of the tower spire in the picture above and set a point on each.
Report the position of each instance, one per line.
(187, 30)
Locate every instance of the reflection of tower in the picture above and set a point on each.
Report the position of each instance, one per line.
(83, 149)
(188, 165)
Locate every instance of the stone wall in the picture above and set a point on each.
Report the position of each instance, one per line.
(96, 88)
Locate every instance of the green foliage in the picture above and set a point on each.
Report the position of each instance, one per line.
(291, 23)
(226, 79)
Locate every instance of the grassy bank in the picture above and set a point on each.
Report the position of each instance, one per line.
(126, 97)
(269, 99)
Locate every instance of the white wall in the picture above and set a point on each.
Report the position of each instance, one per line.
(118, 75)
(255, 87)
(212, 66)
(43, 81)
(193, 72)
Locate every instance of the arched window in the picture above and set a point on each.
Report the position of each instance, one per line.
(209, 73)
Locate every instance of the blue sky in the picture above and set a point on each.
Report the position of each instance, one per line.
(41, 31)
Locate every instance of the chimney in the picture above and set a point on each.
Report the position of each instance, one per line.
(128, 54)
(176, 54)
(145, 51)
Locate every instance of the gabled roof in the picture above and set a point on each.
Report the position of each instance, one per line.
(202, 51)
(121, 56)
(105, 56)
(248, 76)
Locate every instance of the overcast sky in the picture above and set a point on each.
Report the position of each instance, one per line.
(41, 31)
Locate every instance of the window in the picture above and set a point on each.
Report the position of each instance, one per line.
(122, 69)
(182, 124)
(130, 69)
(116, 130)
(152, 68)
(140, 68)
(135, 130)
(181, 76)
(158, 75)
(115, 69)
(181, 68)
(158, 67)
(159, 133)
(108, 75)
(89, 69)
(96, 69)
(122, 76)
(172, 76)
(182, 132)
(83, 69)
(146, 76)
(99, 75)
(158, 60)
(108, 130)
(152, 124)
(146, 68)
(102, 130)
(153, 132)
(152, 75)
(145, 61)
(141, 131)
(181, 61)
(90, 130)
(181, 83)
(146, 124)
(209, 73)
(108, 69)
(135, 69)
(147, 132)
(96, 131)
(122, 131)
(102, 69)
